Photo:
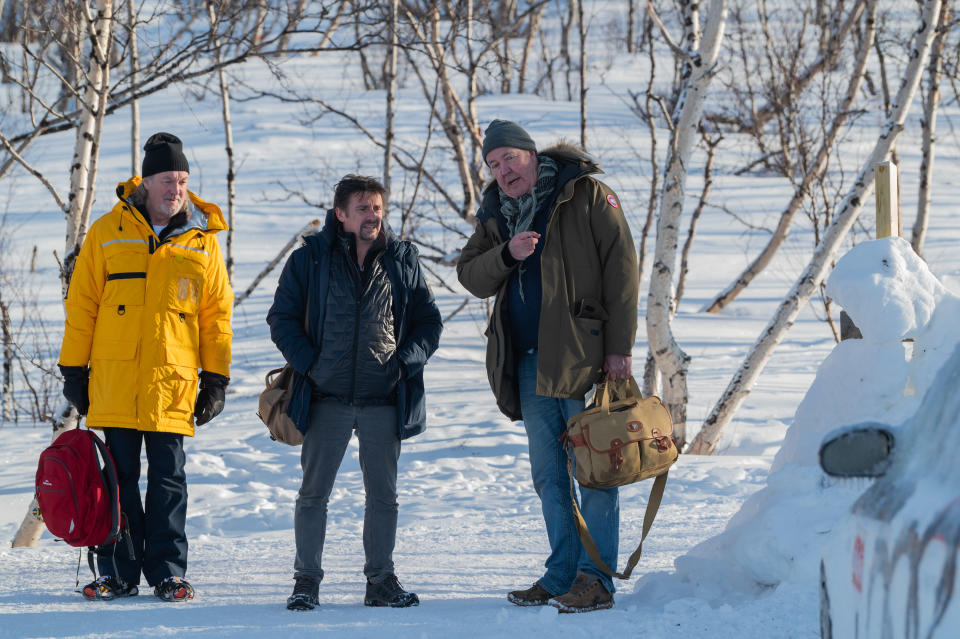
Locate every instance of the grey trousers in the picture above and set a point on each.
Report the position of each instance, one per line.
(331, 426)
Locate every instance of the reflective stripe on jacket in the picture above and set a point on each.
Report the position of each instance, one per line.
(146, 314)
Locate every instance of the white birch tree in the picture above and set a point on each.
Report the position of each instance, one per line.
(213, 19)
(811, 175)
(83, 175)
(931, 101)
(815, 272)
(135, 104)
(670, 358)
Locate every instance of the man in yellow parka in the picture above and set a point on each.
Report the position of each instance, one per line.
(149, 304)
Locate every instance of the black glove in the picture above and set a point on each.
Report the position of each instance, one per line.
(211, 397)
(76, 384)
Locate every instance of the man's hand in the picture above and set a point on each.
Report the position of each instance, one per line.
(211, 397)
(618, 366)
(522, 245)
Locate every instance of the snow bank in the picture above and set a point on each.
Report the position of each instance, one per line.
(778, 534)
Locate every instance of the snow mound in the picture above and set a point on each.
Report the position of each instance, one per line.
(778, 534)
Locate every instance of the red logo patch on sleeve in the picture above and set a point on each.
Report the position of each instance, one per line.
(613, 201)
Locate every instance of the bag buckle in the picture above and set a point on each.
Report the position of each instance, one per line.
(662, 441)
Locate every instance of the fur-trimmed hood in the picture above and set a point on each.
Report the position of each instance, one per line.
(574, 162)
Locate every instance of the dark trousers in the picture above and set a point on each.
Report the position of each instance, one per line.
(158, 525)
(332, 425)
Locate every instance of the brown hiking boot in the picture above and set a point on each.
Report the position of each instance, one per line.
(587, 593)
(535, 595)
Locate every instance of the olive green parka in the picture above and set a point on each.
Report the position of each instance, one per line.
(589, 278)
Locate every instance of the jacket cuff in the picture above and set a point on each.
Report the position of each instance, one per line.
(213, 380)
(507, 258)
(79, 372)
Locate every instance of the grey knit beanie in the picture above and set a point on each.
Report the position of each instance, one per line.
(505, 133)
(164, 152)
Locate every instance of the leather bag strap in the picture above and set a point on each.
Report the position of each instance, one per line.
(653, 505)
(612, 390)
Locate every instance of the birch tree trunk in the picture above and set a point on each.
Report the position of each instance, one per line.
(929, 125)
(94, 96)
(391, 97)
(261, 17)
(449, 119)
(228, 138)
(832, 46)
(83, 169)
(810, 280)
(532, 29)
(670, 358)
(582, 32)
(695, 217)
(135, 105)
(811, 176)
(83, 173)
(294, 22)
(7, 412)
(334, 25)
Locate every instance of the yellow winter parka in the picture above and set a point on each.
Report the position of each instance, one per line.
(145, 314)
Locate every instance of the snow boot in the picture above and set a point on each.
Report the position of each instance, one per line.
(389, 592)
(306, 593)
(175, 589)
(535, 595)
(107, 588)
(587, 593)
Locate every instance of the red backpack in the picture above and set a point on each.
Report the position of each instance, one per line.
(77, 490)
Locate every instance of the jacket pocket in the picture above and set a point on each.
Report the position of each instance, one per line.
(177, 392)
(126, 279)
(590, 308)
(184, 288)
(589, 316)
(113, 378)
(181, 333)
(182, 354)
(592, 327)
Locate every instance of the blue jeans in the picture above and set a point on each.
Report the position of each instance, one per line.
(545, 419)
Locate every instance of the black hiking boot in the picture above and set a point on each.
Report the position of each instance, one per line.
(107, 588)
(389, 592)
(305, 595)
(175, 589)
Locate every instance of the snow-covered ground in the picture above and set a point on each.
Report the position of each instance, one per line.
(470, 525)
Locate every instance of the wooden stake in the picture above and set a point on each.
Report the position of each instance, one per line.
(887, 181)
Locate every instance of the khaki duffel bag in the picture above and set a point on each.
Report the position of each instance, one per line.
(623, 438)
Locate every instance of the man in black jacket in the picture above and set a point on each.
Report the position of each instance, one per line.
(371, 323)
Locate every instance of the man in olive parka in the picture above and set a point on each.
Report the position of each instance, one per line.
(553, 245)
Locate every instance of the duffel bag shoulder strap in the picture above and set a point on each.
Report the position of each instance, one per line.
(653, 505)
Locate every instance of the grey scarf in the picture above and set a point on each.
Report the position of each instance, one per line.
(520, 212)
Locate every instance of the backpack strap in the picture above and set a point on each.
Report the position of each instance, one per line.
(653, 504)
(109, 472)
(119, 525)
(125, 536)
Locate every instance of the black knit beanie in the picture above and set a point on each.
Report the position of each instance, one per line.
(164, 152)
(505, 133)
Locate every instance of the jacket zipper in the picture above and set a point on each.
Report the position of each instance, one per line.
(357, 296)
